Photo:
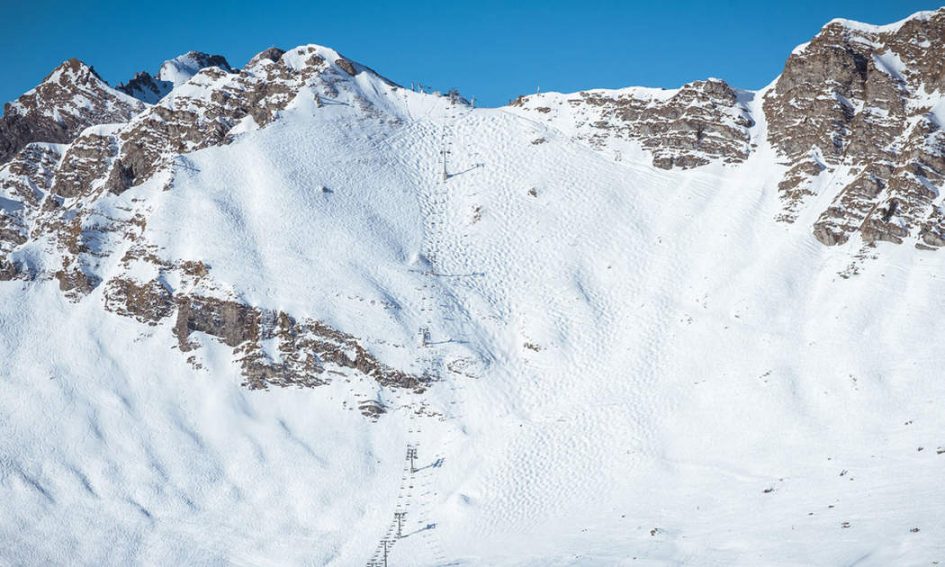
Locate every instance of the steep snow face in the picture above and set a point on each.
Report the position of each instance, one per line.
(282, 308)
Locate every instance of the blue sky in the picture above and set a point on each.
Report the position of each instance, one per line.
(488, 49)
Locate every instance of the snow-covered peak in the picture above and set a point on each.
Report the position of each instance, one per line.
(72, 71)
(304, 56)
(69, 76)
(174, 72)
(181, 68)
(71, 98)
(272, 55)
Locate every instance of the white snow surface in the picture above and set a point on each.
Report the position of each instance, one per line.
(648, 369)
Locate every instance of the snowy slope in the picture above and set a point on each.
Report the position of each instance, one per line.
(636, 365)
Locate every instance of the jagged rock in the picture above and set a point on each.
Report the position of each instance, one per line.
(231, 322)
(302, 349)
(854, 99)
(75, 283)
(148, 302)
(194, 268)
(145, 87)
(8, 270)
(346, 66)
(372, 409)
(84, 163)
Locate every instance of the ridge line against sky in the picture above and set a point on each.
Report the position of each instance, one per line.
(490, 50)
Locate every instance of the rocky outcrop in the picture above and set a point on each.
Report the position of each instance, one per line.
(702, 122)
(855, 106)
(274, 349)
(231, 322)
(74, 282)
(85, 162)
(148, 302)
(70, 99)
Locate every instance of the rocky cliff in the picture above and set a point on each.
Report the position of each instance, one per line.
(863, 104)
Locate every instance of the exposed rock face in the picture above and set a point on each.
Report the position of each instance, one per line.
(72, 98)
(74, 282)
(272, 347)
(857, 103)
(231, 322)
(277, 350)
(305, 349)
(701, 122)
(148, 302)
(85, 161)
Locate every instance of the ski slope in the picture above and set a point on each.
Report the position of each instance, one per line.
(638, 366)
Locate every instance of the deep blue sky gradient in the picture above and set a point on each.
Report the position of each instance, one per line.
(488, 49)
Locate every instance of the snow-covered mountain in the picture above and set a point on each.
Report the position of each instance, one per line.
(296, 314)
(152, 88)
